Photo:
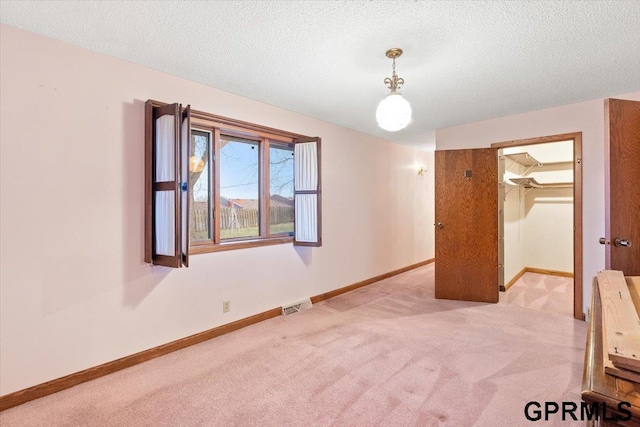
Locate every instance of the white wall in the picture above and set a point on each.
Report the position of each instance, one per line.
(548, 229)
(548, 223)
(75, 291)
(586, 117)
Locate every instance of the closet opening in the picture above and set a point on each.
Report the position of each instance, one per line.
(540, 223)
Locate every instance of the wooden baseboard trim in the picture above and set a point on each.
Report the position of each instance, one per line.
(549, 272)
(22, 396)
(316, 299)
(40, 390)
(534, 270)
(513, 280)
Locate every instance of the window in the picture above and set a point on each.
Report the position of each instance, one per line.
(281, 211)
(215, 183)
(201, 224)
(239, 188)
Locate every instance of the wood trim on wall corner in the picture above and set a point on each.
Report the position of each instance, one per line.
(538, 140)
(549, 272)
(534, 270)
(40, 390)
(513, 280)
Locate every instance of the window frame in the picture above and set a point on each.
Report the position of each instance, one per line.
(210, 179)
(261, 182)
(280, 145)
(218, 126)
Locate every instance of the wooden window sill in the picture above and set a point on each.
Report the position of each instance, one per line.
(230, 246)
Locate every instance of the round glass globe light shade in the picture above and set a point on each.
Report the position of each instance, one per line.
(393, 113)
(195, 164)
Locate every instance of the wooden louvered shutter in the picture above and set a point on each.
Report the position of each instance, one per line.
(307, 193)
(166, 207)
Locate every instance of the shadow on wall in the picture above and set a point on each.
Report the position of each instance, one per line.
(305, 253)
(513, 196)
(138, 278)
(551, 196)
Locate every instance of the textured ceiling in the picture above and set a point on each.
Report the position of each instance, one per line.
(463, 61)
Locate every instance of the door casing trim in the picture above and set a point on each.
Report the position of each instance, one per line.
(576, 137)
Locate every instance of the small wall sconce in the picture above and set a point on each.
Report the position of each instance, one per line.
(422, 171)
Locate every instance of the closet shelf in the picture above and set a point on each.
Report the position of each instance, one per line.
(532, 183)
(525, 159)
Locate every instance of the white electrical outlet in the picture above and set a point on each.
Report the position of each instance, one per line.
(226, 306)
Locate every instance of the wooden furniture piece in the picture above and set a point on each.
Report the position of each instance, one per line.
(601, 387)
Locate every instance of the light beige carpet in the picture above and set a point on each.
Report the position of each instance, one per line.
(551, 294)
(388, 354)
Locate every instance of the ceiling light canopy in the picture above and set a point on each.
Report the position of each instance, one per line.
(394, 112)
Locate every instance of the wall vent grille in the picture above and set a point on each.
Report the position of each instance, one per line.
(296, 307)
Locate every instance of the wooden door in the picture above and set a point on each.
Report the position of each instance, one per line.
(466, 199)
(622, 186)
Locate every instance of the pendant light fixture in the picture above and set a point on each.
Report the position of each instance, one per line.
(394, 112)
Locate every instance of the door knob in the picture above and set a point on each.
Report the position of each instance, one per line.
(622, 242)
(603, 241)
(440, 225)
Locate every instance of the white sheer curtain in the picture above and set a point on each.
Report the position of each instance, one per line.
(165, 149)
(306, 166)
(165, 200)
(306, 218)
(165, 223)
(306, 179)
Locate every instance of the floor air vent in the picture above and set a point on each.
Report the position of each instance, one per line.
(296, 307)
